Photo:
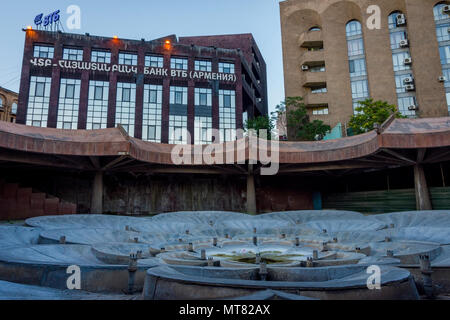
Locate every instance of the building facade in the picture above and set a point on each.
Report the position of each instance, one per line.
(8, 105)
(167, 90)
(334, 57)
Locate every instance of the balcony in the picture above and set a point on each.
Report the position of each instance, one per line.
(314, 79)
(311, 39)
(316, 99)
(313, 58)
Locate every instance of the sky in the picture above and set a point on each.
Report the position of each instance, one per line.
(150, 19)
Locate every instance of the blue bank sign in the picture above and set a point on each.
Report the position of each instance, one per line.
(47, 20)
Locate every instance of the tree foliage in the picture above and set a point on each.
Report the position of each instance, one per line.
(299, 124)
(260, 123)
(370, 112)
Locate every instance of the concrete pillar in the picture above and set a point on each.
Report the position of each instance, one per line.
(97, 194)
(423, 201)
(251, 192)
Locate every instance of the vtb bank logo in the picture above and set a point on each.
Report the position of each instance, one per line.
(73, 21)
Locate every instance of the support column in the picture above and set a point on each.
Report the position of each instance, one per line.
(97, 194)
(423, 201)
(251, 192)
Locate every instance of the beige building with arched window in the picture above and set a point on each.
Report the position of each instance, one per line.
(334, 58)
(8, 105)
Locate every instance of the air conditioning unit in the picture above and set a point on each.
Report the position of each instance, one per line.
(413, 108)
(446, 9)
(305, 67)
(407, 61)
(259, 99)
(404, 44)
(401, 20)
(442, 79)
(410, 87)
(408, 80)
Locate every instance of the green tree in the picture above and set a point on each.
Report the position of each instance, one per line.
(370, 112)
(260, 123)
(299, 124)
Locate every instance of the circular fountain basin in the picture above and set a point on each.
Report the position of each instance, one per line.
(342, 282)
(47, 265)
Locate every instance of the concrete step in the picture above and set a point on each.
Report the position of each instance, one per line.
(67, 208)
(51, 206)
(10, 190)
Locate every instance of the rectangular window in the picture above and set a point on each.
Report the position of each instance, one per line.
(43, 51)
(126, 92)
(359, 89)
(38, 101)
(225, 67)
(403, 106)
(178, 95)
(357, 67)
(151, 133)
(448, 101)
(154, 61)
(152, 113)
(203, 130)
(152, 96)
(70, 91)
(445, 54)
(442, 32)
(319, 90)
(446, 74)
(355, 47)
(203, 65)
(179, 63)
(129, 59)
(101, 56)
(399, 82)
(396, 37)
(126, 106)
(40, 89)
(227, 115)
(178, 132)
(317, 69)
(73, 54)
(68, 104)
(319, 111)
(203, 97)
(98, 92)
(399, 61)
(97, 111)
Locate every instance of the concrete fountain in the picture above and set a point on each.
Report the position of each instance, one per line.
(228, 255)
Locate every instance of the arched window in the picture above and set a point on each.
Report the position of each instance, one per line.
(357, 63)
(14, 108)
(1, 102)
(315, 28)
(438, 11)
(443, 37)
(353, 28)
(404, 78)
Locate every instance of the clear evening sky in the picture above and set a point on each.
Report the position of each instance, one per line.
(150, 19)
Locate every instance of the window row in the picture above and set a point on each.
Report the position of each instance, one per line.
(128, 58)
(97, 110)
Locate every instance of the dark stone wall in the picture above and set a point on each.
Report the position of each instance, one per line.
(125, 193)
(129, 194)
